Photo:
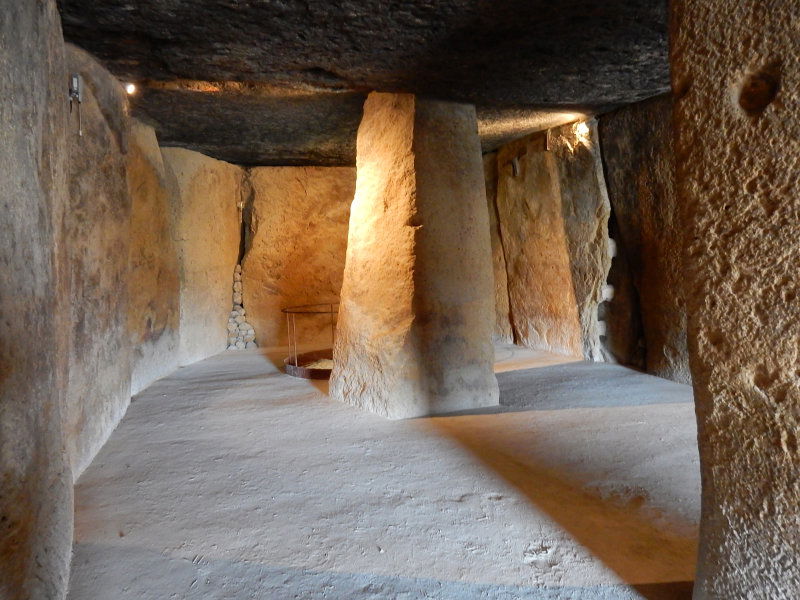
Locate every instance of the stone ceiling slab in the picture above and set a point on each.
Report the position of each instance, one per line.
(512, 59)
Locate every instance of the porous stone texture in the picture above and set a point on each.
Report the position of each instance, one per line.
(511, 59)
(296, 246)
(736, 77)
(97, 232)
(553, 212)
(153, 284)
(502, 318)
(416, 312)
(640, 172)
(208, 204)
(35, 478)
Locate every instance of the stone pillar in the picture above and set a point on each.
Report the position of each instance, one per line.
(736, 77)
(417, 309)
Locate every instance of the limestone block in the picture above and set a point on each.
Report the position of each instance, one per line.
(553, 213)
(297, 241)
(736, 76)
(36, 488)
(640, 165)
(502, 326)
(154, 287)
(98, 229)
(416, 314)
(585, 208)
(207, 233)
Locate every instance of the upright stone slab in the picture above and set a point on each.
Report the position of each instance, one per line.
(36, 482)
(502, 325)
(97, 227)
(296, 246)
(553, 212)
(207, 204)
(647, 316)
(736, 76)
(153, 284)
(417, 309)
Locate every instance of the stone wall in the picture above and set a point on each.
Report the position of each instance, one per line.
(153, 283)
(97, 234)
(736, 80)
(639, 167)
(207, 204)
(553, 212)
(585, 209)
(296, 246)
(502, 317)
(35, 478)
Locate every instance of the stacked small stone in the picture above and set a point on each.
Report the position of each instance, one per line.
(241, 334)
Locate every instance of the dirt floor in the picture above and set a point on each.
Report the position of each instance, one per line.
(231, 480)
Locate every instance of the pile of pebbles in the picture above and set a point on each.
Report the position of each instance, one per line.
(241, 334)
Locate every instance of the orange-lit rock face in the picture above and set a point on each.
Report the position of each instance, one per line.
(207, 231)
(738, 159)
(297, 239)
(553, 211)
(415, 321)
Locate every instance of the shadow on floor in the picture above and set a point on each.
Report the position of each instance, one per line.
(580, 385)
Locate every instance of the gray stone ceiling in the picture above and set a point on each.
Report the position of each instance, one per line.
(282, 81)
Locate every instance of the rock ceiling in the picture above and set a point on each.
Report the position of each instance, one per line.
(283, 81)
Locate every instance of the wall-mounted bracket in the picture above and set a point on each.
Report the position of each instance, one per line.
(76, 95)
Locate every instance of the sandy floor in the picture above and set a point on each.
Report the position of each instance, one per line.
(230, 480)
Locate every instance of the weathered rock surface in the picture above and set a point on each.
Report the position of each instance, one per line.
(485, 53)
(154, 288)
(553, 213)
(296, 246)
(508, 58)
(208, 200)
(639, 166)
(541, 295)
(254, 124)
(97, 234)
(416, 314)
(36, 483)
(585, 209)
(736, 76)
(502, 319)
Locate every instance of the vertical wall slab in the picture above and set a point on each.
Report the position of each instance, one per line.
(208, 201)
(585, 209)
(416, 314)
(648, 271)
(502, 317)
(736, 76)
(154, 287)
(296, 246)
(553, 212)
(35, 478)
(97, 234)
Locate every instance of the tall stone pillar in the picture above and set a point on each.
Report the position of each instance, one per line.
(736, 77)
(417, 308)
